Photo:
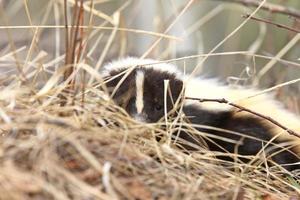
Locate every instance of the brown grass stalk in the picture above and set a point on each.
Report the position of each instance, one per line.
(271, 7)
(74, 39)
(241, 108)
(272, 23)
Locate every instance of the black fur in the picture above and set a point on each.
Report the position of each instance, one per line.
(124, 96)
(249, 126)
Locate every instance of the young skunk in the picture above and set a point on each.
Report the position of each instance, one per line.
(142, 95)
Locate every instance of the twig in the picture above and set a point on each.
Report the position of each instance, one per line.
(273, 23)
(66, 34)
(77, 43)
(247, 110)
(271, 7)
(73, 43)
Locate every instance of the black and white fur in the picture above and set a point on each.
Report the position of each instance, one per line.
(142, 95)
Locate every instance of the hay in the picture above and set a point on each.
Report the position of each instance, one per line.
(62, 142)
(97, 152)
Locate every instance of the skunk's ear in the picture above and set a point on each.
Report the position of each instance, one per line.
(176, 87)
(113, 78)
(125, 90)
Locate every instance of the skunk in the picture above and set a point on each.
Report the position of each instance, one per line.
(138, 85)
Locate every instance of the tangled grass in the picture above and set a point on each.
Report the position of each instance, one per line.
(70, 141)
(97, 152)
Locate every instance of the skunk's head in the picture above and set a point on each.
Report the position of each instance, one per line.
(142, 92)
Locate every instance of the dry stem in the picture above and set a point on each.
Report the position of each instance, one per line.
(271, 7)
(241, 108)
(273, 23)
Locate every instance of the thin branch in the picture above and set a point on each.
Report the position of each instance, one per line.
(100, 27)
(249, 111)
(66, 32)
(271, 7)
(273, 23)
(77, 43)
(73, 43)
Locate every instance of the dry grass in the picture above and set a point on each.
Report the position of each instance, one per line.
(100, 153)
(89, 148)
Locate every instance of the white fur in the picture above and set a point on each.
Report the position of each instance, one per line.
(133, 61)
(139, 102)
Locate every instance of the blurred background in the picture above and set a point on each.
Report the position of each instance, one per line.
(34, 31)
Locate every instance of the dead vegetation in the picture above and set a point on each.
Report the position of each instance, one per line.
(63, 138)
(101, 154)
